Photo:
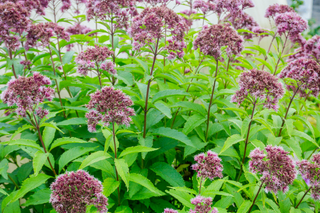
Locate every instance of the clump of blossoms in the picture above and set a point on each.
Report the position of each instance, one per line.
(306, 73)
(153, 3)
(310, 172)
(208, 165)
(167, 210)
(38, 5)
(94, 59)
(203, 205)
(242, 20)
(74, 191)
(312, 47)
(276, 9)
(78, 29)
(291, 24)
(109, 106)
(259, 85)
(152, 24)
(187, 17)
(42, 33)
(27, 93)
(211, 39)
(277, 168)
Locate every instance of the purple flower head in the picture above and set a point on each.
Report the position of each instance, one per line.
(167, 210)
(29, 5)
(42, 33)
(202, 205)
(109, 105)
(27, 93)
(211, 39)
(290, 23)
(259, 85)
(310, 172)
(66, 4)
(276, 9)
(152, 24)
(312, 47)
(306, 73)
(208, 166)
(153, 3)
(74, 191)
(242, 20)
(232, 6)
(94, 59)
(78, 29)
(187, 18)
(276, 167)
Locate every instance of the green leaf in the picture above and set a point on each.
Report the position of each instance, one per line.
(40, 197)
(183, 197)
(93, 158)
(30, 184)
(164, 109)
(67, 57)
(245, 206)
(262, 121)
(3, 192)
(72, 154)
(4, 166)
(66, 140)
(168, 93)
(233, 139)
(24, 142)
(168, 173)
(140, 179)
(48, 136)
(191, 106)
(193, 122)
(136, 149)
(39, 160)
(109, 186)
(123, 209)
(21, 129)
(304, 136)
(172, 133)
(123, 170)
(73, 121)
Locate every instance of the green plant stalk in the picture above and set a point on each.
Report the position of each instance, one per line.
(14, 183)
(115, 155)
(284, 46)
(255, 198)
(148, 88)
(303, 197)
(211, 99)
(200, 185)
(265, 58)
(13, 70)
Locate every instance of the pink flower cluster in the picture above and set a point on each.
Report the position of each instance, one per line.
(95, 58)
(312, 47)
(306, 73)
(38, 5)
(109, 105)
(43, 32)
(78, 29)
(276, 9)
(211, 39)
(208, 166)
(260, 85)
(167, 210)
(277, 168)
(154, 23)
(310, 172)
(154, 3)
(188, 19)
(74, 191)
(242, 20)
(203, 205)
(27, 93)
(291, 23)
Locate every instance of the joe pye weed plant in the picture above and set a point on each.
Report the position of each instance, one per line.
(147, 113)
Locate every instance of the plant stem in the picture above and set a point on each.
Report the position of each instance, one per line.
(225, 85)
(200, 185)
(115, 155)
(302, 198)
(246, 142)
(269, 49)
(57, 85)
(255, 198)
(41, 140)
(148, 88)
(211, 98)
(13, 70)
(285, 117)
(284, 45)
(13, 181)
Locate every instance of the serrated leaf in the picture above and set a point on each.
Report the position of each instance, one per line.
(168, 173)
(48, 136)
(193, 122)
(140, 179)
(304, 136)
(123, 170)
(93, 158)
(39, 160)
(168, 93)
(39, 197)
(67, 57)
(233, 139)
(245, 206)
(72, 121)
(24, 142)
(136, 149)
(109, 186)
(164, 109)
(183, 197)
(66, 140)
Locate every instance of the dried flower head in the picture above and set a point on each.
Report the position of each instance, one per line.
(306, 73)
(208, 166)
(276, 9)
(259, 85)
(27, 93)
(277, 168)
(290, 23)
(94, 59)
(203, 205)
(211, 39)
(310, 172)
(167, 210)
(109, 105)
(152, 24)
(74, 191)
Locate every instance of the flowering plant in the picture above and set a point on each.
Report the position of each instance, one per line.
(129, 106)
